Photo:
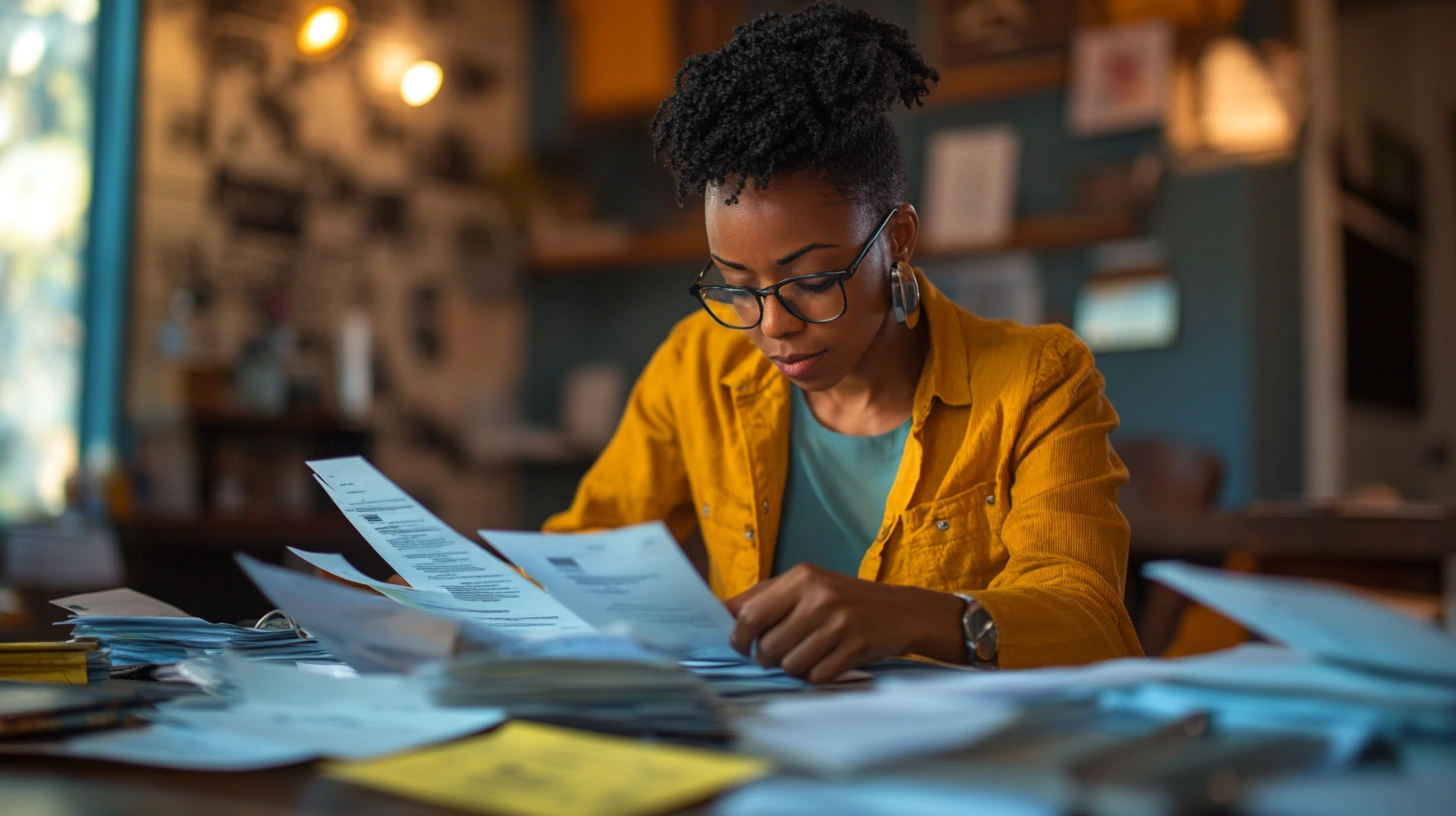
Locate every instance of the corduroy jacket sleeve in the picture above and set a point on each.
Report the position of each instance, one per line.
(1059, 598)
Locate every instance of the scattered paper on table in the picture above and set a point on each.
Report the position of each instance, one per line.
(179, 747)
(1316, 618)
(335, 717)
(633, 581)
(878, 797)
(525, 769)
(370, 633)
(844, 733)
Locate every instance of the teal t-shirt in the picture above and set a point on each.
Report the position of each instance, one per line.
(834, 500)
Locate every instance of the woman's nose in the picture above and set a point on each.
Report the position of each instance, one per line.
(777, 320)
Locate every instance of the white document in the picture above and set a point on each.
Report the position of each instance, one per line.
(1318, 619)
(176, 746)
(781, 795)
(342, 718)
(370, 633)
(433, 557)
(634, 581)
(119, 603)
(437, 602)
(843, 733)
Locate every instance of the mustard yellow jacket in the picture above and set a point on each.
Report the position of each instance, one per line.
(1007, 490)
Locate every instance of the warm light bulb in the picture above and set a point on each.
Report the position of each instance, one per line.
(420, 83)
(26, 52)
(324, 29)
(1242, 111)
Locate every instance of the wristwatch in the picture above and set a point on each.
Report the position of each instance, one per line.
(982, 639)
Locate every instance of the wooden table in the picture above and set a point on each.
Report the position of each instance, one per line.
(31, 786)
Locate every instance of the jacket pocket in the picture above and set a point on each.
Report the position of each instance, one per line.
(730, 533)
(949, 544)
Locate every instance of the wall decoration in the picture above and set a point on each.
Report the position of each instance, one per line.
(970, 182)
(309, 197)
(624, 54)
(1121, 78)
(1132, 303)
(994, 47)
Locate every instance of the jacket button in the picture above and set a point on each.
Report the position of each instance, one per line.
(765, 506)
(748, 534)
(705, 511)
(942, 525)
(991, 500)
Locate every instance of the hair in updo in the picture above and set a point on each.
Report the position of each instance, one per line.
(807, 92)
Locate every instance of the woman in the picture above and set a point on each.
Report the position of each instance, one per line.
(873, 470)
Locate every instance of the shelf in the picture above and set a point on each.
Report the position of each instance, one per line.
(1046, 232)
(664, 246)
(690, 246)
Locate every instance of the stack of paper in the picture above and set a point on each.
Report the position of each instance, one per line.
(71, 661)
(592, 682)
(140, 630)
(588, 680)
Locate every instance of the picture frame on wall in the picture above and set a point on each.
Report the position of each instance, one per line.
(989, 48)
(970, 183)
(1121, 78)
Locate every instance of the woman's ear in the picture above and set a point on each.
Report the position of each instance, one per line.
(904, 232)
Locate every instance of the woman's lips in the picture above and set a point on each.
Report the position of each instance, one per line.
(798, 366)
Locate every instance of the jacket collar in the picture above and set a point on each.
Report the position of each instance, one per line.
(946, 376)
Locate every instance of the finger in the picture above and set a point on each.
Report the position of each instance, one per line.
(736, 602)
(760, 613)
(813, 649)
(395, 579)
(849, 654)
(775, 644)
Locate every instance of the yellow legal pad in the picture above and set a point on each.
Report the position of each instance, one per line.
(525, 769)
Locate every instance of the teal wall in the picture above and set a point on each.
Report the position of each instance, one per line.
(1229, 383)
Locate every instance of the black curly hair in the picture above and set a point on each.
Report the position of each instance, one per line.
(808, 92)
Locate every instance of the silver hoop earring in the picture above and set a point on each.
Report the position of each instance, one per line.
(904, 295)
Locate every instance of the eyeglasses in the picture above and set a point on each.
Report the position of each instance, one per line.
(817, 298)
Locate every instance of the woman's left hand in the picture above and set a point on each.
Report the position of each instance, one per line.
(817, 624)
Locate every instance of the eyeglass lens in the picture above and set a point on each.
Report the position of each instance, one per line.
(816, 299)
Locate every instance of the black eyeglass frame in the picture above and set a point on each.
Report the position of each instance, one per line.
(697, 289)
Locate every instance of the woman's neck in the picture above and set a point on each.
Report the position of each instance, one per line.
(879, 394)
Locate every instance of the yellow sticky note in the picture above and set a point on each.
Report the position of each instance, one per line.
(525, 769)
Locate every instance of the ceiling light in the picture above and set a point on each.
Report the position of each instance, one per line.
(420, 83)
(323, 30)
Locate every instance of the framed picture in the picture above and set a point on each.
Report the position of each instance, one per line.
(970, 181)
(986, 48)
(1121, 78)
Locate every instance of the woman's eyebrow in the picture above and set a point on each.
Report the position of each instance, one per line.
(784, 261)
(794, 256)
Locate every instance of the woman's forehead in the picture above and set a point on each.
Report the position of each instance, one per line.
(779, 220)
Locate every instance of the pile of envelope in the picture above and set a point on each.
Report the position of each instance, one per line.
(139, 630)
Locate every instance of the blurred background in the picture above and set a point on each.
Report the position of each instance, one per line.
(235, 234)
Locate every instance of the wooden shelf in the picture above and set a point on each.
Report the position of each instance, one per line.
(1045, 232)
(690, 246)
(664, 246)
